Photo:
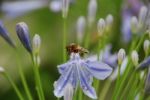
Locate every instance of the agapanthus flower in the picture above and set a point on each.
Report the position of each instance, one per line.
(23, 34)
(82, 71)
(144, 64)
(106, 56)
(5, 35)
(130, 8)
(147, 84)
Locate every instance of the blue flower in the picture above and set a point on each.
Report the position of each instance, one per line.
(5, 35)
(144, 64)
(82, 71)
(147, 84)
(23, 34)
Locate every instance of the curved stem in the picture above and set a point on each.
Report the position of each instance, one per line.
(14, 86)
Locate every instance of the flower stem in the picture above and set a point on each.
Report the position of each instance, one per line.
(105, 90)
(23, 79)
(117, 83)
(64, 38)
(131, 81)
(14, 86)
(37, 78)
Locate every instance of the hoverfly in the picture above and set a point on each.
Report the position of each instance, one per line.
(75, 48)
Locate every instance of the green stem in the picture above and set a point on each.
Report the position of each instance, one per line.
(14, 86)
(128, 85)
(105, 89)
(64, 38)
(117, 83)
(80, 94)
(37, 79)
(23, 79)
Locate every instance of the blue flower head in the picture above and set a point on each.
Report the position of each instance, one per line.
(144, 64)
(147, 84)
(81, 71)
(5, 35)
(23, 34)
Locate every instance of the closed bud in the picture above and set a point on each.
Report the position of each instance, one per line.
(121, 56)
(36, 43)
(146, 46)
(134, 24)
(101, 26)
(92, 9)
(135, 57)
(65, 8)
(81, 23)
(109, 21)
(23, 34)
(142, 15)
(5, 35)
(2, 70)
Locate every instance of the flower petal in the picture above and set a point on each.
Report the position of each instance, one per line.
(98, 69)
(68, 92)
(147, 85)
(62, 67)
(62, 82)
(85, 85)
(144, 64)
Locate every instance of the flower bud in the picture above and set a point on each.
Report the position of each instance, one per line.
(23, 34)
(146, 46)
(121, 56)
(92, 8)
(81, 23)
(109, 21)
(2, 69)
(65, 8)
(5, 35)
(135, 57)
(142, 15)
(134, 24)
(101, 26)
(36, 43)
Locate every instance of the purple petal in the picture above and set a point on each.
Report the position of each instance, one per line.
(144, 64)
(85, 85)
(98, 69)
(5, 35)
(23, 34)
(147, 85)
(62, 82)
(62, 67)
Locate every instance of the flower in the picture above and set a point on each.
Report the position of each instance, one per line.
(23, 34)
(36, 43)
(92, 9)
(101, 25)
(5, 35)
(121, 55)
(144, 64)
(2, 70)
(65, 8)
(146, 46)
(135, 57)
(147, 84)
(80, 27)
(82, 71)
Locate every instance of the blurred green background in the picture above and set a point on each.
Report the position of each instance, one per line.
(49, 26)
